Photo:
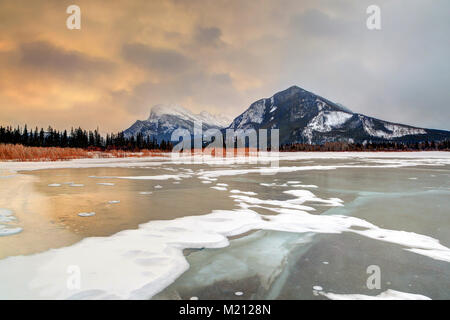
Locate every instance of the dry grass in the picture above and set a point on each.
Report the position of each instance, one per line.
(17, 152)
(20, 153)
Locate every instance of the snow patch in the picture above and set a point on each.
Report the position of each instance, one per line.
(386, 295)
(254, 114)
(86, 214)
(318, 288)
(393, 130)
(8, 230)
(248, 193)
(325, 121)
(6, 215)
(159, 177)
(304, 186)
(219, 188)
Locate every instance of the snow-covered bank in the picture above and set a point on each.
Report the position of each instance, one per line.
(386, 295)
(425, 157)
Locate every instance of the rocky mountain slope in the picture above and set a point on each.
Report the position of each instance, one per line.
(304, 117)
(165, 119)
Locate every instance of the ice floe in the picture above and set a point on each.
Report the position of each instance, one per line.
(86, 214)
(6, 215)
(318, 288)
(6, 218)
(386, 295)
(6, 230)
(157, 177)
(305, 195)
(304, 186)
(273, 184)
(248, 193)
(54, 185)
(219, 188)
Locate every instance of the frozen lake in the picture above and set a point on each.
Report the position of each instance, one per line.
(157, 228)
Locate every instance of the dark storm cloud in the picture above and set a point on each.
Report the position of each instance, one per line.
(207, 36)
(197, 85)
(157, 59)
(46, 57)
(399, 73)
(221, 56)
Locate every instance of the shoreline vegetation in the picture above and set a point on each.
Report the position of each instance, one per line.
(21, 144)
(18, 152)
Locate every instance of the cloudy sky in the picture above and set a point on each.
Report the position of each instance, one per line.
(220, 56)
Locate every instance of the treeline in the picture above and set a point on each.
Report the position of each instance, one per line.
(79, 138)
(92, 140)
(370, 146)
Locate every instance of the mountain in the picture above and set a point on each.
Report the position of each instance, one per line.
(165, 119)
(304, 117)
(300, 115)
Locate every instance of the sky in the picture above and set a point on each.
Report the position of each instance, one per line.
(220, 56)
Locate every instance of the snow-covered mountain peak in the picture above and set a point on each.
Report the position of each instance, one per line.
(170, 109)
(174, 110)
(165, 118)
(219, 120)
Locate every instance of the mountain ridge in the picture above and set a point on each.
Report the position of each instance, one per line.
(300, 115)
(304, 117)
